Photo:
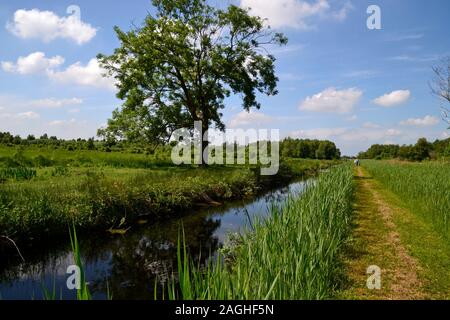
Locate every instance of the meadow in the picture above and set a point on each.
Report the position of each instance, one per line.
(424, 187)
(45, 189)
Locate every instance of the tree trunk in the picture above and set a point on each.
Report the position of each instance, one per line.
(205, 144)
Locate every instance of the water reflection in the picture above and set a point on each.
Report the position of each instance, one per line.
(128, 266)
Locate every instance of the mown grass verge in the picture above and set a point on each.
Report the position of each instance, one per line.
(418, 232)
(424, 188)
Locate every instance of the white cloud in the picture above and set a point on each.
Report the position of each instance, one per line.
(252, 118)
(29, 115)
(332, 100)
(405, 36)
(427, 121)
(57, 123)
(90, 74)
(407, 58)
(360, 74)
(47, 26)
(294, 13)
(393, 99)
(345, 135)
(34, 63)
(318, 133)
(55, 103)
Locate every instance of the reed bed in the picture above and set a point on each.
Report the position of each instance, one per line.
(293, 254)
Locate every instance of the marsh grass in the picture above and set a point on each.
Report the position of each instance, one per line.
(293, 254)
(424, 187)
(42, 190)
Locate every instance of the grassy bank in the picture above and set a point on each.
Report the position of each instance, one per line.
(291, 255)
(41, 192)
(417, 194)
(422, 186)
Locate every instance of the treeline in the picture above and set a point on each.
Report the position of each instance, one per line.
(422, 150)
(8, 139)
(309, 149)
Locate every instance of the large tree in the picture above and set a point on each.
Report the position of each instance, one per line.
(181, 64)
(440, 85)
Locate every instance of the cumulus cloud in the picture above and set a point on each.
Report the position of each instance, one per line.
(393, 99)
(90, 74)
(34, 63)
(427, 121)
(47, 26)
(294, 13)
(332, 100)
(252, 118)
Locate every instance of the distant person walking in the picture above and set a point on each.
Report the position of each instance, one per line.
(357, 162)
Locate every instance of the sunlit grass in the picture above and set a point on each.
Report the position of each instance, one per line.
(425, 187)
(291, 255)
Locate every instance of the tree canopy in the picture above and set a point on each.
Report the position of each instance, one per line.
(422, 150)
(181, 64)
(309, 149)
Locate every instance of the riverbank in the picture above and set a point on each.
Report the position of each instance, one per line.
(293, 254)
(102, 198)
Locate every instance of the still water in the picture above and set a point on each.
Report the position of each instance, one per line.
(127, 266)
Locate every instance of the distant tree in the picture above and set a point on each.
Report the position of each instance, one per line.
(440, 85)
(17, 140)
(31, 137)
(44, 137)
(90, 144)
(182, 63)
(422, 149)
(309, 149)
(326, 150)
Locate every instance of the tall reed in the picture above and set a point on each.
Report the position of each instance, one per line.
(293, 254)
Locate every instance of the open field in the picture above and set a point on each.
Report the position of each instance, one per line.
(395, 235)
(43, 191)
(424, 187)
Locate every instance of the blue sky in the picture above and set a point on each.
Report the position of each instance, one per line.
(338, 79)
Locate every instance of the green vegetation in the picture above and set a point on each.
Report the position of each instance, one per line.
(43, 190)
(423, 187)
(422, 150)
(294, 254)
(181, 64)
(309, 149)
(391, 233)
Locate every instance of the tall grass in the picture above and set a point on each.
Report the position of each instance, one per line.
(83, 292)
(424, 187)
(294, 254)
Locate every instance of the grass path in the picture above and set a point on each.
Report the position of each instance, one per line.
(378, 241)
